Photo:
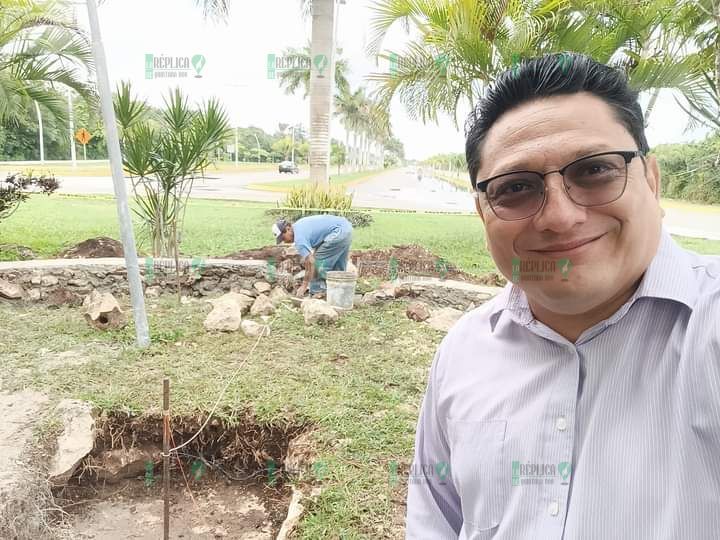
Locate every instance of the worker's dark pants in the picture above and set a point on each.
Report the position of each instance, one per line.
(331, 255)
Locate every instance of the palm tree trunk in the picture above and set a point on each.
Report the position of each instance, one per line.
(651, 105)
(322, 72)
(347, 149)
(355, 151)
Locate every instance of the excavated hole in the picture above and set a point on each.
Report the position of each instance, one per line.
(235, 474)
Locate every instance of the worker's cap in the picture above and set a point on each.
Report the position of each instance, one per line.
(278, 228)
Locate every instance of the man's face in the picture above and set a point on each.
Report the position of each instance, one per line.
(545, 135)
(288, 236)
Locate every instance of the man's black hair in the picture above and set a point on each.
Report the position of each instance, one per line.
(552, 75)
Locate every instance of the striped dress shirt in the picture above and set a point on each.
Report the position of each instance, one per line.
(525, 435)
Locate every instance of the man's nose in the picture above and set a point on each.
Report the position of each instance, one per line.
(559, 212)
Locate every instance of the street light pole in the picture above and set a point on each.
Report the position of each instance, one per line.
(258, 146)
(73, 156)
(113, 146)
(292, 145)
(40, 132)
(236, 146)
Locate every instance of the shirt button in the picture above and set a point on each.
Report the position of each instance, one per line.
(554, 508)
(561, 423)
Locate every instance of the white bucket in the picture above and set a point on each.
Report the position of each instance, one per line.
(341, 289)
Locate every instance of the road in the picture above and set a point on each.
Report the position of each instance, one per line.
(396, 189)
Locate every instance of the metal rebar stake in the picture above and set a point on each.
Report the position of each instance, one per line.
(166, 458)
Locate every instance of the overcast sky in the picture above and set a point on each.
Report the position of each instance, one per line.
(236, 57)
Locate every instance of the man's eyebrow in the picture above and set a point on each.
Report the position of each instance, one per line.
(521, 164)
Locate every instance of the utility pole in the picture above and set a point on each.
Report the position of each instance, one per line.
(113, 146)
(72, 130)
(40, 130)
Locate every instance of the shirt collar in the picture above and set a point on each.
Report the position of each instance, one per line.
(669, 276)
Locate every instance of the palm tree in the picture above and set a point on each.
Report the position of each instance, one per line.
(294, 79)
(478, 40)
(348, 108)
(42, 50)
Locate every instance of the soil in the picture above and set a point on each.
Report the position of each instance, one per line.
(417, 261)
(230, 493)
(217, 508)
(92, 248)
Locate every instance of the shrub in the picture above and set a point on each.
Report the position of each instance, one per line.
(314, 199)
(16, 189)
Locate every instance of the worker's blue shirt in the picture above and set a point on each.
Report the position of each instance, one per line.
(311, 231)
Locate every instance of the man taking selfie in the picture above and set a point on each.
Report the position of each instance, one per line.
(582, 402)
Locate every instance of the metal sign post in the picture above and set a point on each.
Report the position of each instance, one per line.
(113, 146)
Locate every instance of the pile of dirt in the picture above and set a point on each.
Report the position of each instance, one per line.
(404, 260)
(94, 248)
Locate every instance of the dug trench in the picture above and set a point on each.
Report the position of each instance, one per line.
(231, 481)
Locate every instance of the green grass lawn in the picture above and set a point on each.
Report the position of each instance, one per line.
(215, 228)
(347, 180)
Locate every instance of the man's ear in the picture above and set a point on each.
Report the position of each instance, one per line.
(652, 175)
(478, 206)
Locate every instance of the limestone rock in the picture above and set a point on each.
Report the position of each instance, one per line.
(243, 301)
(278, 295)
(48, 281)
(316, 311)
(253, 329)
(115, 465)
(63, 297)
(225, 316)
(103, 312)
(76, 440)
(262, 306)
(444, 318)
(263, 287)
(418, 311)
(13, 291)
(34, 295)
(153, 292)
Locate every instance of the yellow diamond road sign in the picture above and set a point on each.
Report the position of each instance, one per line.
(83, 136)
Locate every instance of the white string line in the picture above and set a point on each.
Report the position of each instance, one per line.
(222, 393)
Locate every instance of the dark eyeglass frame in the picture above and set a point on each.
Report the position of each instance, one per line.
(628, 156)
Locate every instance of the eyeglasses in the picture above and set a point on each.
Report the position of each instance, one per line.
(590, 181)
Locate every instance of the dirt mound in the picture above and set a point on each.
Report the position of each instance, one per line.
(94, 248)
(403, 260)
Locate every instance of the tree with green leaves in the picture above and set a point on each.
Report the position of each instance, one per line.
(42, 54)
(163, 162)
(462, 45)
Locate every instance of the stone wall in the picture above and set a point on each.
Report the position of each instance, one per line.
(36, 280)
